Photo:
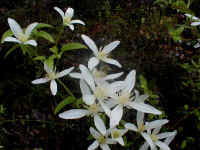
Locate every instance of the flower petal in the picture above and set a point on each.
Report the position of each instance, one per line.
(148, 139)
(69, 12)
(30, 28)
(129, 82)
(64, 72)
(15, 27)
(195, 23)
(94, 133)
(90, 43)
(120, 141)
(53, 87)
(99, 124)
(108, 48)
(112, 76)
(145, 146)
(47, 68)
(140, 118)
(191, 16)
(141, 98)
(156, 123)
(73, 114)
(31, 42)
(113, 62)
(116, 115)
(77, 21)
(162, 145)
(59, 11)
(105, 147)
(75, 75)
(169, 139)
(71, 26)
(93, 62)
(145, 108)
(39, 81)
(84, 88)
(105, 108)
(12, 39)
(165, 135)
(89, 99)
(131, 126)
(94, 145)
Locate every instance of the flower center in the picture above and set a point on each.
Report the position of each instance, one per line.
(154, 137)
(94, 108)
(51, 75)
(124, 97)
(100, 93)
(66, 20)
(102, 140)
(101, 55)
(99, 74)
(22, 37)
(115, 134)
(141, 127)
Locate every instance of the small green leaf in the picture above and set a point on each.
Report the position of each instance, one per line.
(41, 58)
(50, 61)
(44, 25)
(72, 46)
(6, 34)
(45, 35)
(63, 103)
(11, 50)
(54, 50)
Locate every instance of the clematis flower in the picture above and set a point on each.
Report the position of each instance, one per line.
(124, 98)
(153, 139)
(21, 36)
(195, 19)
(101, 53)
(101, 137)
(67, 17)
(51, 76)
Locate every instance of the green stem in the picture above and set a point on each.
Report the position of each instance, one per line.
(59, 35)
(66, 88)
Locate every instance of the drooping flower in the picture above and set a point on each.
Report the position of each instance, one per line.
(101, 53)
(67, 17)
(51, 76)
(21, 36)
(196, 20)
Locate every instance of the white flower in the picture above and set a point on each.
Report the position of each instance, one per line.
(21, 36)
(197, 45)
(101, 137)
(196, 20)
(51, 76)
(153, 139)
(124, 98)
(101, 53)
(67, 17)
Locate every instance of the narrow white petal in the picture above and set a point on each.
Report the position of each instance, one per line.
(131, 126)
(93, 62)
(116, 115)
(197, 45)
(105, 147)
(94, 133)
(117, 86)
(73, 114)
(76, 75)
(108, 48)
(59, 11)
(105, 108)
(120, 141)
(77, 21)
(169, 139)
(129, 82)
(148, 139)
(39, 81)
(156, 123)
(47, 68)
(192, 17)
(12, 39)
(71, 26)
(99, 124)
(141, 98)
(145, 146)
(87, 76)
(195, 23)
(145, 108)
(64, 72)
(156, 130)
(89, 99)
(110, 141)
(162, 145)
(69, 12)
(30, 28)
(90, 43)
(165, 135)
(15, 27)
(140, 118)
(94, 145)
(84, 88)
(31, 42)
(53, 87)
(113, 62)
(112, 76)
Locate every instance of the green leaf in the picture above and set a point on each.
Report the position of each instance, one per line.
(45, 35)
(11, 50)
(44, 25)
(63, 103)
(72, 46)
(50, 61)
(54, 50)
(41, 58)
(6, 34)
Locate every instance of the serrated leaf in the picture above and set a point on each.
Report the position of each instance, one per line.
(41, 58)
(72, 46)
(45, 35)
(6, 34)
(11, 50)
(63, 103)
(44, 25)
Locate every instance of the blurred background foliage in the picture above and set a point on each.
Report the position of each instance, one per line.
(156, 40)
